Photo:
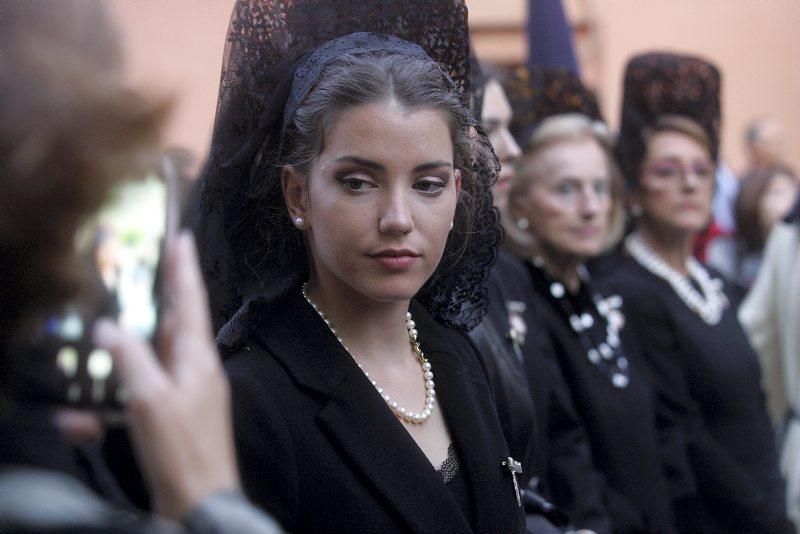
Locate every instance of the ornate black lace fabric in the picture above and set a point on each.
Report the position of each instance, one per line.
(275, 51)
(658, 84)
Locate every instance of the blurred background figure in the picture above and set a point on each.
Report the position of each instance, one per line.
(771, 316)
(668, 148)
(764, 141)
(765, 197)
(566, 206)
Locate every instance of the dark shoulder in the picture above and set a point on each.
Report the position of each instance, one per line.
(631, 280)
(439, 338)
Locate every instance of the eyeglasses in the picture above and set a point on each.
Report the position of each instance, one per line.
(671, 171)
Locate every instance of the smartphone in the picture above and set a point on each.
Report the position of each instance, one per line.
(121, 248)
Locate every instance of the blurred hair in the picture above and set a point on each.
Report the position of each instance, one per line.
(69, 129)
(748, 221)
(681, 125)
(559, 129)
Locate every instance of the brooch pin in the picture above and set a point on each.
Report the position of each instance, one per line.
(517, 328)
(515, 468)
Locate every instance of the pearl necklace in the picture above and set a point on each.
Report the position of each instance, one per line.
(430, 393)
(709, 304)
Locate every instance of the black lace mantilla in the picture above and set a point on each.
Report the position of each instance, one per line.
(662, 83)
(275, 51)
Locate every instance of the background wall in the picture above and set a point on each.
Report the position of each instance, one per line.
(175, 46)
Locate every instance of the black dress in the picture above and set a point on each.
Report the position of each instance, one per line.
(620, 420)
(320, 449)
(711, 377)
(522, 370)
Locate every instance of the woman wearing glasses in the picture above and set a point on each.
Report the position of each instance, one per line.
(667, 147)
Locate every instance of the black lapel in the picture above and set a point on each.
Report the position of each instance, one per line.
(360, 424)
(471, 417)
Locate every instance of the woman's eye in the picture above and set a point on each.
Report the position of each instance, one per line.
(704, 171)
(602, 188)
(565, 188)
(429, 186)
(667, 171)
(356, 184)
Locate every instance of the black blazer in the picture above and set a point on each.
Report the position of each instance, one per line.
(621, 425)
(320, 450)
(711, 383)
(533, 396)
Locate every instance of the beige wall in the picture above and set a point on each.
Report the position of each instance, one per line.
(176, 46)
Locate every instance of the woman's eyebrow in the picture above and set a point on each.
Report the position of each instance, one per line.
(432, 165)
(378, 167)
(360, 161)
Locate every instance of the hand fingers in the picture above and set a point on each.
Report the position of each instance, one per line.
(188, 289)
(135, 364)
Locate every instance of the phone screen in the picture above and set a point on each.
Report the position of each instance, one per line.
(121, 251)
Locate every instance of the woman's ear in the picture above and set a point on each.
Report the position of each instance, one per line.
(634, 202)
(457, 180)
(295, 195)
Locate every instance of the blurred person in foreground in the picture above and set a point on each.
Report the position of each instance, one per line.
(696, 348)
(771, 316)
(71, 130)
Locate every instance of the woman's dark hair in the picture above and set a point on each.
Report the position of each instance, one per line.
(355, 80)
(748, 222)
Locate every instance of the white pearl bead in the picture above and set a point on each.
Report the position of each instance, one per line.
(429, 384)
(426, 366)
(431, 392)
(413, 333)
(394, 405)
(428, 375)
(410, 324)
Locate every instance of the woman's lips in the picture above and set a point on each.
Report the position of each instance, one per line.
(396, 261)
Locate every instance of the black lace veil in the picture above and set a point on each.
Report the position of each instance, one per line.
(275, 52)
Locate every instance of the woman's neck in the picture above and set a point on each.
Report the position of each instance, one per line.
(562, 267)
(374, 332)
(671, 246)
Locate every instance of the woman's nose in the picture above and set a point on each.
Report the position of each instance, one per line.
(395, 216)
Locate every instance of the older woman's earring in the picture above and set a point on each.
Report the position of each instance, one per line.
(636, 210)
(523, 223)
(300, 222)
(451, 225)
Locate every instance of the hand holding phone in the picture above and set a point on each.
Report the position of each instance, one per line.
(179, 400)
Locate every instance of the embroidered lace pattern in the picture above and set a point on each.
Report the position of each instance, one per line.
(449, 467)
(252, 255)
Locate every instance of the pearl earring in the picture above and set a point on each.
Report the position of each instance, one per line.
(523, 223)
(451, 225)
(299, 222)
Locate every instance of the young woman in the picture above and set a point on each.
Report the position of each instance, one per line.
(365, 232)
(668, 148)
(566, 196)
